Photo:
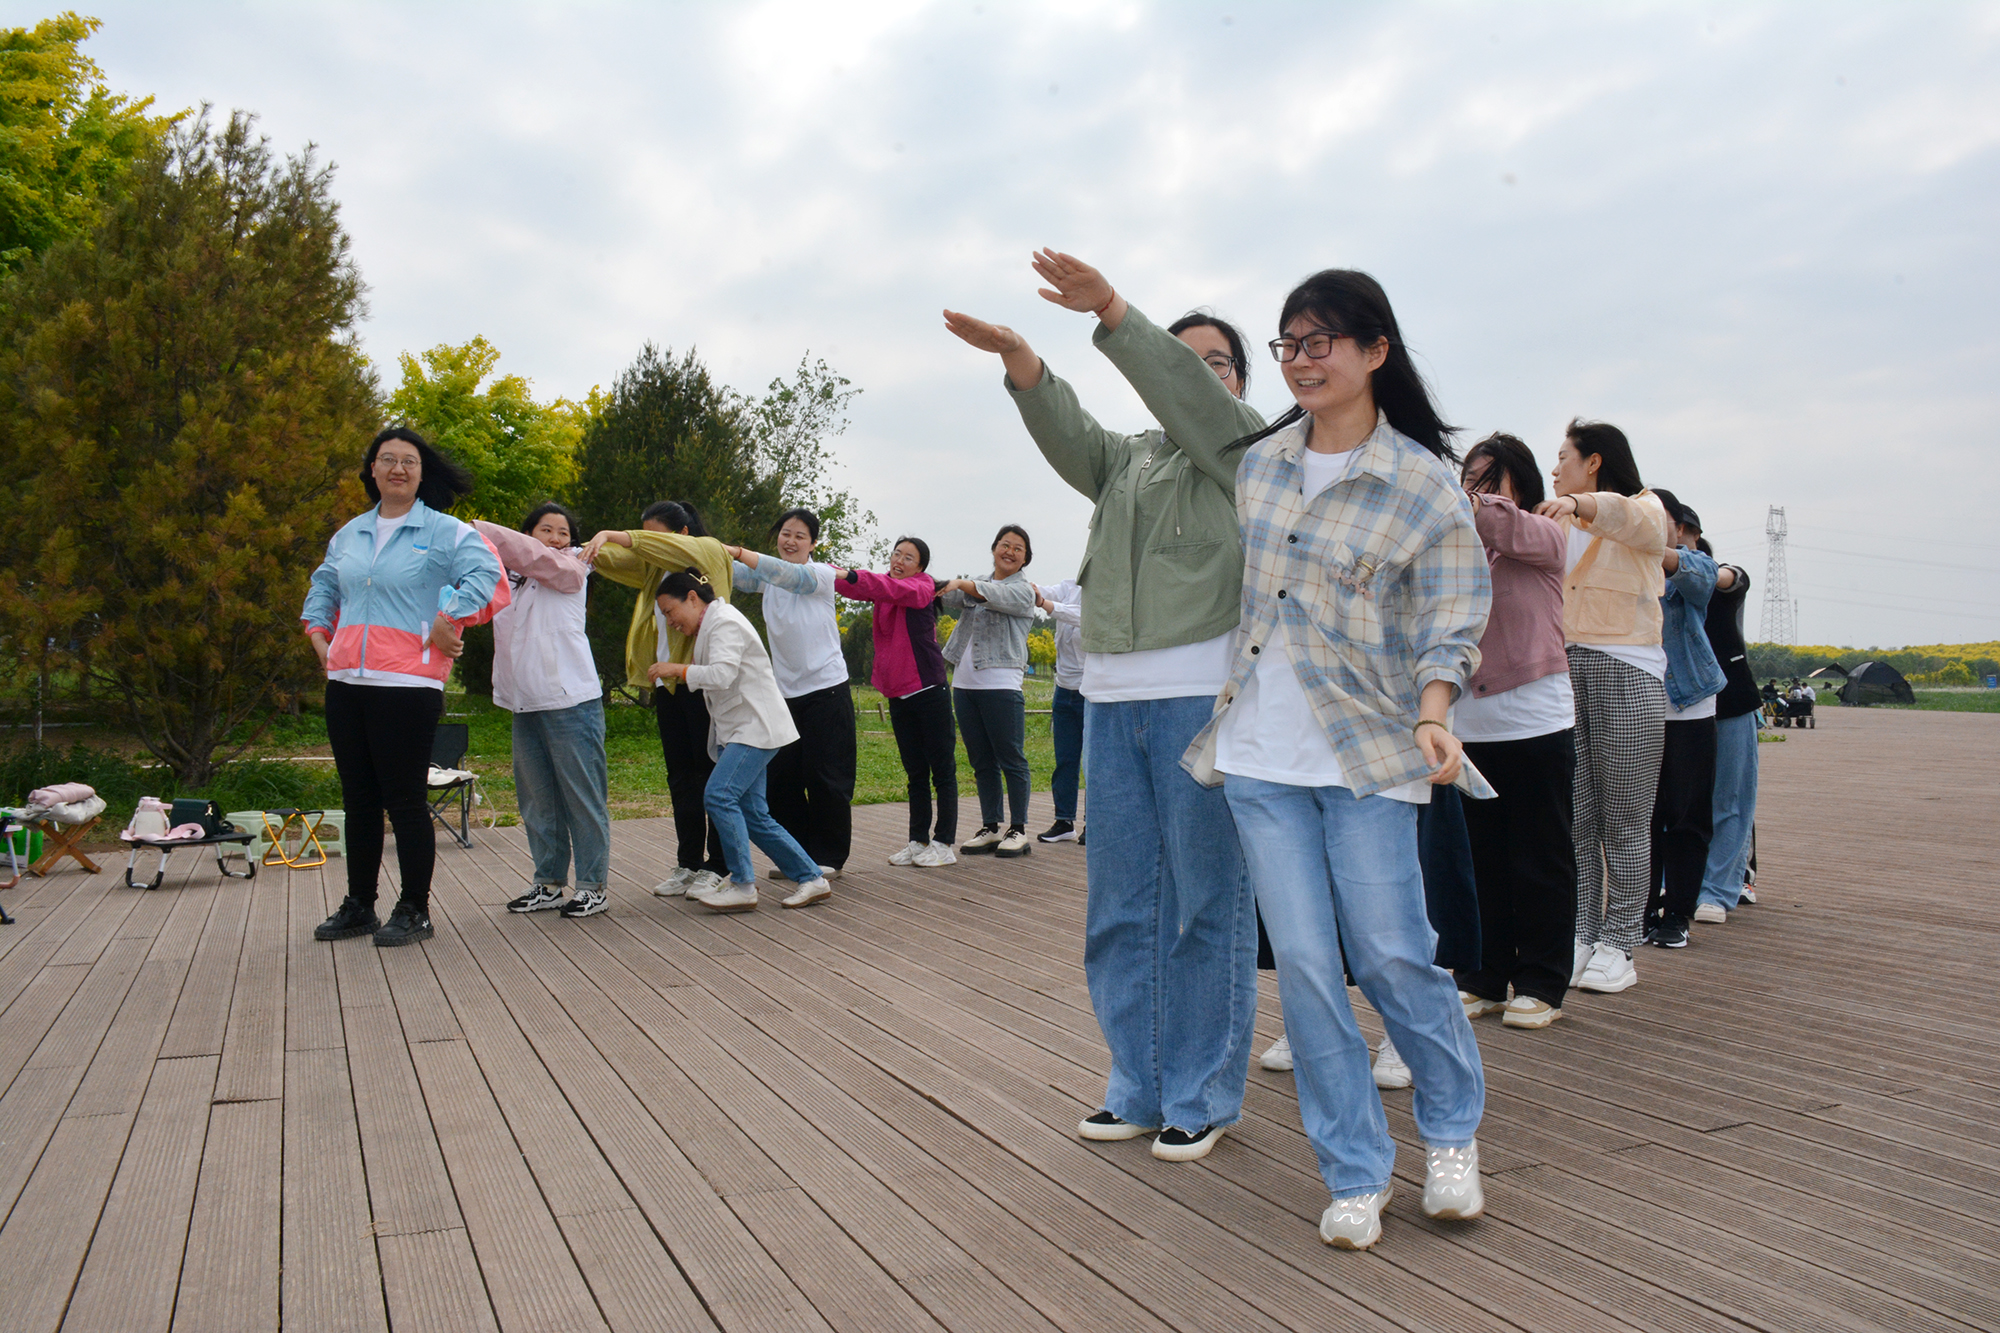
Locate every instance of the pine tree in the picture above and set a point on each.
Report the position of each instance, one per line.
(183, 412)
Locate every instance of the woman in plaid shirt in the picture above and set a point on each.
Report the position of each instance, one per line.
(1365, 593)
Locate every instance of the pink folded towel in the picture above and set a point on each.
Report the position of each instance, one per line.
(62, 793)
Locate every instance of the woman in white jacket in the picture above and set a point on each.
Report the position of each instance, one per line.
(544, 675)
(748, 723)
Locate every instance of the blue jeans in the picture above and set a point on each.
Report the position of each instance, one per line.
(1066, 721)
(1335, 874)
(1735, 809)
(561, 787)
(1170, 935)
(734, 798)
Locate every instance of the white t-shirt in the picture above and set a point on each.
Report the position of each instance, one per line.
(384, 528)
(986, 678)
(1183, 671)
(1650, 658)
(1270, 732)
(1539, 708)
(805, 634)
(1693, 713)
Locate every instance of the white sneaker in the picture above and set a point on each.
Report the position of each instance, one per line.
(937, 854)
(809, 892)
(983, 841)
(829, 872)
(1582, 960)
(1014, 843)
(1610, 971)
(701, 883)
(1477, 1006)
(1390, 1071)
(1279, 1058)
(908, 856)
(1747, 894)
(1713, 914)
(731, 897)
(676, 884)
(1451, 1183)
(1355, 1222)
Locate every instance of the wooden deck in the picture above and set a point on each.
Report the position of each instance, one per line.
(860, 1117)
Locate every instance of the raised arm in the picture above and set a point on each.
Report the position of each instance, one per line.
(863, 586)
(1083, 453)
(559, 571)
(1511, 531)
(753, 568)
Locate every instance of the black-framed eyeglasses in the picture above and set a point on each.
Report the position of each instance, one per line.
(1316, 343)
(1223, 365)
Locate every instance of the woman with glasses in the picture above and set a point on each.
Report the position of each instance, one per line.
(988, 652)
(1365, 593)
(1170, 932)
(385, 613)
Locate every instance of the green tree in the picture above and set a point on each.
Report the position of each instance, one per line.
(183, 409)
(63, 135)
(792, 423)
(519, 452)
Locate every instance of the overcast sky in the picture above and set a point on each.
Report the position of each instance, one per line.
(1759, 238)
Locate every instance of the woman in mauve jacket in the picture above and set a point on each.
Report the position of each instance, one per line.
(910, 674)
(1517, 718)
(1617, 535)
(385, 613)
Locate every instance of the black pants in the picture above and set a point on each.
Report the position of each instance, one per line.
(381, 738)
(1683, 817)
(994, 724)
(683, 719)
(810, 783)
(1524, 859)
(929, 748)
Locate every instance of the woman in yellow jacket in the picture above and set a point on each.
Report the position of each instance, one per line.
(1617, 534)
(670, 536)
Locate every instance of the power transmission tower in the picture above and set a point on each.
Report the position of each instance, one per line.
(1781, 616)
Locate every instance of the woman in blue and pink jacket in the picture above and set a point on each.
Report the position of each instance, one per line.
(910, 673)
(385, 613)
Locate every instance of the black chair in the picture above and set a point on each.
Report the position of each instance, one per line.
(448, 751)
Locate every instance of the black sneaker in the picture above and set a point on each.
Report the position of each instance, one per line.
(407, 925)
(1060, 831)
(538, 899)
(588, 902)
(1104, 1127)
(354, 917)
(1177, 1145)
(1671, 933)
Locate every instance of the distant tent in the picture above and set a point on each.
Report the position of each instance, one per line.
(1876, 683)
(1831, 671)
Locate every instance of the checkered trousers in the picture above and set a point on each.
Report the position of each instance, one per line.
(1382, 586)
(1621, 716)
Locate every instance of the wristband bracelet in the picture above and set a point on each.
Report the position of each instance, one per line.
(1099, 312)
(1427, 722)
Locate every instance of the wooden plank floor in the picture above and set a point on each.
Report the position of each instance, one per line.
(861, 1117)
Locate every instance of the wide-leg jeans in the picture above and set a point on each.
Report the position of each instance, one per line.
(562, 787)
(734, 798)
(1170, 935)
(1338, 875)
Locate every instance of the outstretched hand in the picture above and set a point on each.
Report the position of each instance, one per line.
(1078, 286)
(986, 337)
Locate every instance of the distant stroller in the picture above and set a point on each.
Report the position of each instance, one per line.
(1795, 709)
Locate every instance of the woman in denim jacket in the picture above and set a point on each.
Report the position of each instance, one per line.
(1683, 810)
(988, 651)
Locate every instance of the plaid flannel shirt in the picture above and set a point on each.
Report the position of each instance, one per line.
(1381, 584)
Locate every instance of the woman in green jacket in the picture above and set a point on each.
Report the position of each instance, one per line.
(1170, 931)
(670, 537)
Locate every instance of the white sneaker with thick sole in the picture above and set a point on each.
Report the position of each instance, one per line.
(702, 883)
(1581, 961)
(1279, 1058)
(1525, 1011)
(731, 897)
(937, 854)
(812, 891)
(1104, 1127)
(676, 884)
(1451, 1183)
(981, 842)
(1390, 1071)
(1355, 1222)
(1712, 914)
(908, 856)
(1747, 894)
(1015, 843)
(1477, 1006)
(1610, 971)
(538, 899)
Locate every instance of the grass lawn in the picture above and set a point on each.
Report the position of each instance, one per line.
(1953, 701)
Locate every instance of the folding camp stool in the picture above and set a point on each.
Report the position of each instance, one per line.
(448, 752)
(309, 854)
(62, 840)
